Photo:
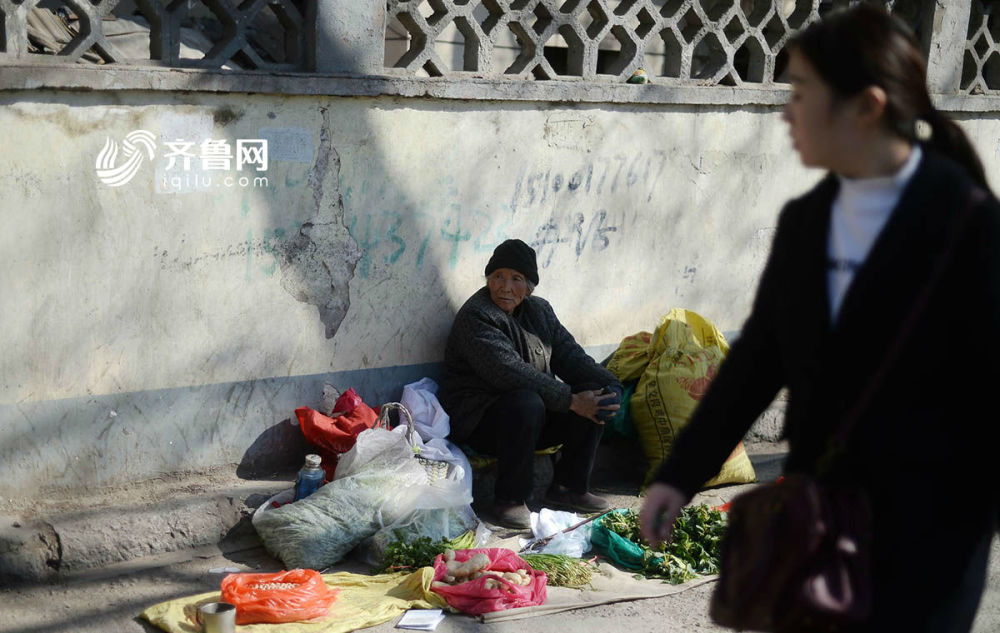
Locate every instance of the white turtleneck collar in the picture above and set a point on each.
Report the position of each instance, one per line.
(859, 213)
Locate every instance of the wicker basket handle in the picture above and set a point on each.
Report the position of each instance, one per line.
(384, 421)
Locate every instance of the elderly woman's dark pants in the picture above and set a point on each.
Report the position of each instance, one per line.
(518, 424)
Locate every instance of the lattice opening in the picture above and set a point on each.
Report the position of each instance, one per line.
(662, 57)
(276, 36)
(397, 41)
(543, 19)
(982, 45)
(624, 6)
(433, 11)
(567, 60)
(709, 57)
(645, 23)
(781, 67)
(593, 20)
(969, 73)
(756, 11)
(991, 71)
(749, 61)
(432, 69)
(735, 30)
(671, 7)
(623, 58)
(527, 46)
(690, 25)
(416, 43)
(457, 46)
(488, 13)
(539, 73)
(569, 6)
(774, 32)
(715, 9)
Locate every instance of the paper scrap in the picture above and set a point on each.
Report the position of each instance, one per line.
(420, 619)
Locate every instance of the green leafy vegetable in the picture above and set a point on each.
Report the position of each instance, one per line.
(405, 555)
(694, 548)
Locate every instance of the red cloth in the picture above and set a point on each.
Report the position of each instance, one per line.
(332, 436)
(473, 597)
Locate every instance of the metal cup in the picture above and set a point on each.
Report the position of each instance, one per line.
(217, 617)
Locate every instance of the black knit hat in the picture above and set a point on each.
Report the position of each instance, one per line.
(516, 255)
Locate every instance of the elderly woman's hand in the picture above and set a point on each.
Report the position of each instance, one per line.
(587, 404)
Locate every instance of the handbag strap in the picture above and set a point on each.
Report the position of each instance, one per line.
(838, 443)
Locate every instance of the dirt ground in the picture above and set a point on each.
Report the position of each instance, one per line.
(110, 599)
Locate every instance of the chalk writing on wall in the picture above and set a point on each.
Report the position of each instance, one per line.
(561, 212)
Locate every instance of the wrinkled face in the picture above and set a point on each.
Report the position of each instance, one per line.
(508, 288)
(818, 123)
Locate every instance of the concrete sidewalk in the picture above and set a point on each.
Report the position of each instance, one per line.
(56, 536)
(93, 565)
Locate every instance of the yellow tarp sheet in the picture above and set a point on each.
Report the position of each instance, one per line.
(363, 601)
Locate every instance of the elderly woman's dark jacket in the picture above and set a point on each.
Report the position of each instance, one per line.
(490, 352)
(926, 447)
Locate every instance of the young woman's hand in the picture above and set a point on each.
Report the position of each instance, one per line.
(659, 511)
(587, 404)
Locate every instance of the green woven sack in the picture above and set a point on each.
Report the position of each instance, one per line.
(619, 550)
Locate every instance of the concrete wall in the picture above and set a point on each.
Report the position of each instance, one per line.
(156, 326)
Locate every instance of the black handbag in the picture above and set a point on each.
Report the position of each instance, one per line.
(797, 552)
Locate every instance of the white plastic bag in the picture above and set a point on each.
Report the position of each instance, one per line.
(548, 522)
(371, 488)
(429, 417)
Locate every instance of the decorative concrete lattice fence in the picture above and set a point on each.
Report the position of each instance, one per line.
(729, 42)
(981, 67)
(227, 26)
(695, 44)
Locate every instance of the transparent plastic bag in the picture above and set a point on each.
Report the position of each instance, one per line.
(372, 488)
(439, 510)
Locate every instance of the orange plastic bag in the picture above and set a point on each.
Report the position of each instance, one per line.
(474, 598)
(286, 596)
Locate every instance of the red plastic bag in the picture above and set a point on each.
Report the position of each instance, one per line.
(286, 596)
(473, 597)
(332, 436)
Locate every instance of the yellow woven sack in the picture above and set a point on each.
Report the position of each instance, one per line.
(684, 356)
(630, 359)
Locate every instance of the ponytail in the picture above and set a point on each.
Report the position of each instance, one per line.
(950, 140)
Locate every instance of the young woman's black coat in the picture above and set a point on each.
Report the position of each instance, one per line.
(926, 448)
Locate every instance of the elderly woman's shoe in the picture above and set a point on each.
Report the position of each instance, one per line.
(562, 497)
(512, 515)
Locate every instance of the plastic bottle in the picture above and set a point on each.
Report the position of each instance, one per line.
(310, 477)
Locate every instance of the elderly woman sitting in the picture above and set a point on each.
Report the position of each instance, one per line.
(500, 387)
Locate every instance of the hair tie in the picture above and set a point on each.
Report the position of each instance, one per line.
(922, 130)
